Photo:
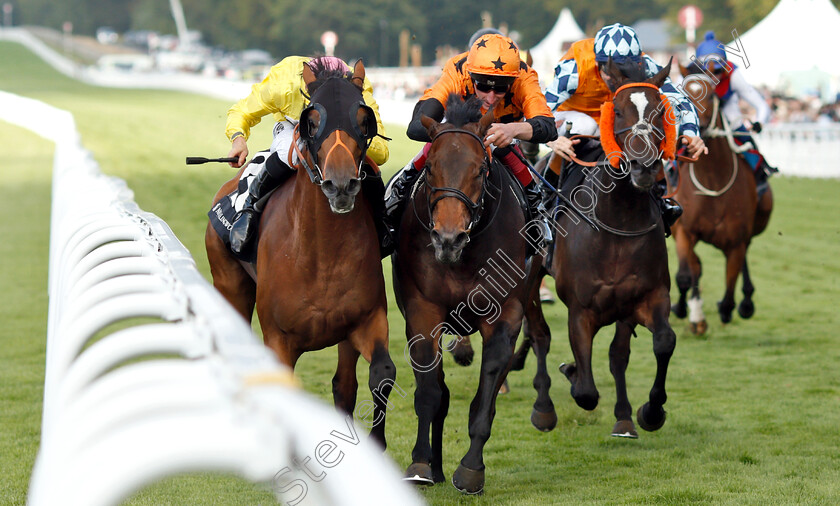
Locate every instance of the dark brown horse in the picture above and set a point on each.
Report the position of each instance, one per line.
(318, 277)
(459, 267)
(617, 273)
(718, 195)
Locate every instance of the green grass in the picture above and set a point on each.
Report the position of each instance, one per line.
(753, 407)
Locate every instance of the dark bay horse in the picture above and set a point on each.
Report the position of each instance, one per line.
(718, 195)
(318, 279)
(459, 267)
(618, 273)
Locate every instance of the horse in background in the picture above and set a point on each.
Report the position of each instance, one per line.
(617, 273)
(459, 267)
(317, 280)
(720, 207)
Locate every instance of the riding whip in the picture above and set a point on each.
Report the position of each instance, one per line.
(195, 160)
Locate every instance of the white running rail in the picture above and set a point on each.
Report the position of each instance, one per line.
(206, 396)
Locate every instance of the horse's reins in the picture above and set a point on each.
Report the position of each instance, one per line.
(713, 132)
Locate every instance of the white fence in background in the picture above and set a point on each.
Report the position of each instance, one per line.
(802, 149)
(187, 388)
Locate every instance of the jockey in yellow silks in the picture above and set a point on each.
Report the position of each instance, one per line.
(282, 93)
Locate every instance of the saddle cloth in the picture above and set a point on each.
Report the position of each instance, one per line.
(224, 211)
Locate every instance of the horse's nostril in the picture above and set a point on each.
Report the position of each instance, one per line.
(435, 237)
(353, 186)
(329, 188)
(462, 239)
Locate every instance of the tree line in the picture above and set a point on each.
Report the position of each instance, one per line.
(371, 29)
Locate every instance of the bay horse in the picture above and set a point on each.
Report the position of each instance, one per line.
(617, 273)
(720, 207)
(459, 267)
(317, 280)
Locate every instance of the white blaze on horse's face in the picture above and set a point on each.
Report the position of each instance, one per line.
(641, 103)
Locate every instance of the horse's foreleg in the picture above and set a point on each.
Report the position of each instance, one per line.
(683, 277)
(437, 428)
(538, 335)
(424, 354)
(746, 308)
(371, 340)
(651, 416)
(619, 358)
(229, 277)
(581, 332)
(496, 356)
(734, 263)
(345, 385)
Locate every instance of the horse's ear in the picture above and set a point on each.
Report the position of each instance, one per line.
(429, 124)
(615, 74)
(528, 58)
(486, 120)
(683, 70)
(308, 74)
(659, 79)
(359, 74)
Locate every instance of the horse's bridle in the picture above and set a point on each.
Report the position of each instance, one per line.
(475, 208)
(643, 123)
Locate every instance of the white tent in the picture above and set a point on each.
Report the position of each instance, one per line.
(547, 52)
(797, 38)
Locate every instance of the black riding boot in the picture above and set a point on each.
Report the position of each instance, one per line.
(397, 193)
(374, 191)
(671, 209)
(245, 225)
(537, 211)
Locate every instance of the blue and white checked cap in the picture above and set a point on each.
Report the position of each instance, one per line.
(618, 41)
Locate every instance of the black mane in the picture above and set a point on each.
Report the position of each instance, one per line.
(634, 71)
(460, 112)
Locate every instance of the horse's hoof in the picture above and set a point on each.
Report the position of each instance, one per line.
(568, 369)
(463, 353)
(544, 422)
(746, 309)
(679, 310)
(468, 481)
(419, 473)
(626, 429)
(699, 328)
(505, 388)
(650, 421)
(725, 312)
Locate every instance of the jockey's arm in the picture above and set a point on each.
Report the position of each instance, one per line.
(683, 109)
(745, 91)
(430, 107)
(378, 150)
(564, 85)
(538, 126)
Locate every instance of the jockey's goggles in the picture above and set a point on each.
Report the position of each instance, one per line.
(486, 88)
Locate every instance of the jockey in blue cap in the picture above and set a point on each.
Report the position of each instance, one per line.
(581, 85)
(731, 87)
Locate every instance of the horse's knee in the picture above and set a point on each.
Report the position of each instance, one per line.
(683, 279)
(664, 342)
(382, 371)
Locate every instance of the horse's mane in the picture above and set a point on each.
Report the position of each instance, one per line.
(323, 73)
(634, 71)
(460, 112)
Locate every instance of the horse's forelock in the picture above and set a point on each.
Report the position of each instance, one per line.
(633, 71)
(460, 112)
(324, 73)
